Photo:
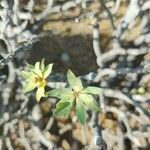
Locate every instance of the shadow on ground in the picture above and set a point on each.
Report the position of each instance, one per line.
(75, 53)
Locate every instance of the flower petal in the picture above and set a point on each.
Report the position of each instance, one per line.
(42, 66)
(30, 79)
(40, 93)
(30, 67)
(37, 70)
(47, 70)
(26, 74)
(29, 87)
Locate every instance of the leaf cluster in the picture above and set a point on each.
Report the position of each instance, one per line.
(74, 96)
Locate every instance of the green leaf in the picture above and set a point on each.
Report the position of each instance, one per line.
(81, 112)
(70, 76)
(74, 82)
(48, 70)
(92, 90)
(89, 102)
(63, 108)
(60, 93)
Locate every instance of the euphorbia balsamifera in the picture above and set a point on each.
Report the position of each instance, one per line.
(74, 96)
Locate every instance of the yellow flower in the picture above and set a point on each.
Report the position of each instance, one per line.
(35, 77)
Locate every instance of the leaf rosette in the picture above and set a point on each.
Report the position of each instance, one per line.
(75, 96)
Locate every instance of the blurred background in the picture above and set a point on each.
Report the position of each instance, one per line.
(106, 43)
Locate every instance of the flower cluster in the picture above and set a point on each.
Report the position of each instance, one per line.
(35, 77)
(74, 96)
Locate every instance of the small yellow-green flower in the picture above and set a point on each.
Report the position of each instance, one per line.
(35, 77)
